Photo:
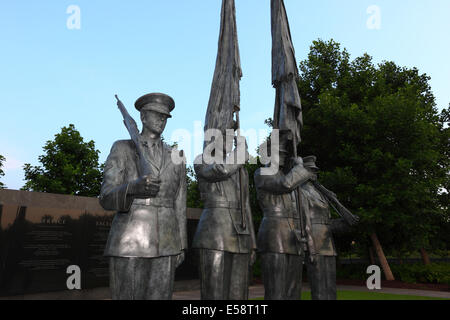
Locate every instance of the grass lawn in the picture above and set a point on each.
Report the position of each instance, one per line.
(359, 295)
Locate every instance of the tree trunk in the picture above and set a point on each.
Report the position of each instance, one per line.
(425, 257)
(372, 256)
(381, 257)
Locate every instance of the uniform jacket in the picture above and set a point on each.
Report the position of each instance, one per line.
(144, 228)
(280, 227)
(220, 226)
(279, 230)
(317, 208)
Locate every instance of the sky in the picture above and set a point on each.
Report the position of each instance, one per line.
(58, 67)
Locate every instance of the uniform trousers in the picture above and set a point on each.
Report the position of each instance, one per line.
(142, 278)
(223, 275)
(282, 276)
(322, 277)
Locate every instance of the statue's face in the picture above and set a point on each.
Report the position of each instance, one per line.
(154, 121)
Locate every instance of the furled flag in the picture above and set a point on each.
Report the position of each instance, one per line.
(225, 92)
(288, 109)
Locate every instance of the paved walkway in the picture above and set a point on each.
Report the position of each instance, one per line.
(190, 290)
(258, 292)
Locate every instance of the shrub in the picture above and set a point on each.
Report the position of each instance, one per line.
(351, 271)
(419, 273)
(438, 273)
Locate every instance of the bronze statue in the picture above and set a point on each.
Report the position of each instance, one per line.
(308, 211)
(279, 238)
(225, 237)
(148, 190)
(316, 204)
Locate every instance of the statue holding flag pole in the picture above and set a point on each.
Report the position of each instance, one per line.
(224, 238)
(296, 227)
(282, 239)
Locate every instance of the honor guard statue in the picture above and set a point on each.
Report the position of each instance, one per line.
(279, 237)
(147, 189)
(224, 238)
(296, 216)
(316, 203)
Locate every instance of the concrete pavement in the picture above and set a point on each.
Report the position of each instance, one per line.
(190, 290)
(258, 292)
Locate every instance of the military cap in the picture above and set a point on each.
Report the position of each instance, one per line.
(310, 162)
(158, 102)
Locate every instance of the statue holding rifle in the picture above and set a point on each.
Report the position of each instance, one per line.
(317, 202)
(147, 189)
(297, 226)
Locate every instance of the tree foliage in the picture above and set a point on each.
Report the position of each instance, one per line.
(2, 159)
(193, 191)
(69, 166)
(381, 143)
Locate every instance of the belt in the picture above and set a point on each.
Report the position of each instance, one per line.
(320, 221)
(280, 213)
(211, 204)
(155, 202)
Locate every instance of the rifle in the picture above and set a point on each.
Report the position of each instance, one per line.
(350, 218)
(132, 128)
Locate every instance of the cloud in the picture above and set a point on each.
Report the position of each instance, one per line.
(12, 164)
(14, 174)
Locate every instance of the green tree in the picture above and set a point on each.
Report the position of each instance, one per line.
(381, 144)
(2, 159)
(440, 240)
(69, 166)
(193, 191)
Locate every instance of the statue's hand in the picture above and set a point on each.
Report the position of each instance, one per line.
(180, 258)
(298, 161)
(219, 169)
(253, 257)
(145, 187)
